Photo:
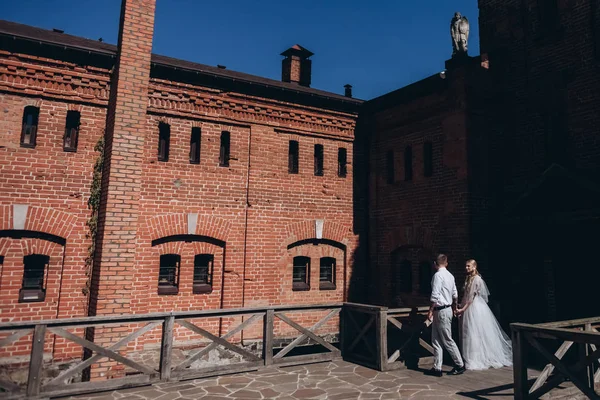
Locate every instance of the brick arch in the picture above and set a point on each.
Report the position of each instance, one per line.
(39, 219)
(410, 236)
(33, 102)
(306, 230)
(177, 224)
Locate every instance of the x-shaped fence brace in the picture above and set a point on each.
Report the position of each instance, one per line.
(417, 333)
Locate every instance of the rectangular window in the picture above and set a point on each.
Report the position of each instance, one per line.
(390, 167)
(318, 160)
(327, 273)
(29, 127)
(203, 270)
(71, 131)
(301, 273)
(168, 274)
(408, 172)
(35, 268)
(225, 148)
(342, 162)
(427, 159)
(293, 155)
(164, 139)
(195, 146)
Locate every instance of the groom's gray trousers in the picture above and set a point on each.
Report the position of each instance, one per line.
(441, 335)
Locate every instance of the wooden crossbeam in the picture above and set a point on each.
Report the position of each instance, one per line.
(561, 367)
(14, 337)
(361, 333)
(101, 350)
(9, 386)
(548, 369)
(307, 332)
(303, 337)
(86, 363)
(199, 353)
(395, 322)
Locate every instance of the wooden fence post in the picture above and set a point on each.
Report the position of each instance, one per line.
(268, 334)
(519, 365)
(381, 337)
(166, 348)
(36, 361)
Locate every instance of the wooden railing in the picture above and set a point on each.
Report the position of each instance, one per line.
(382, 338)
(576, 358)
(131, 328)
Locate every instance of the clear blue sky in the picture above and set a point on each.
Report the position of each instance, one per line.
(376, 46)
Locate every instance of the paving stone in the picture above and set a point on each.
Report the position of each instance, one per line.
(198, 390)
(308, 393)
(343, 396)
(169, 396)
(216, 390)
(226, 380)
(246, 394)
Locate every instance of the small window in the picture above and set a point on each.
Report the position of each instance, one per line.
(203, 270)
(427, 159)
(390, 167)
(342, 162)
(293, 155)
(408, 172)
(327, 273)
(195, 146)
(35, 267)
(318, 160)
(425, 275)
(71, 131)
(405, 277)
(300, 273)
(168, 275)
(225, 148)
(30, 125)
(164, 139)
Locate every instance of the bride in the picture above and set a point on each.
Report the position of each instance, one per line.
(484, 344)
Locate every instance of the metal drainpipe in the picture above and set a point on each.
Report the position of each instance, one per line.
(247, 206)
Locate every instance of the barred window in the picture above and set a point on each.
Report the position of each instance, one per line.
(327, 273)
(203, 271)
(168, 275)
(35, 269)
(71, 136)
(301, 273)
(29, 127)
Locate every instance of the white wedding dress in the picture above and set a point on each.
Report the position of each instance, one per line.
(484, 343)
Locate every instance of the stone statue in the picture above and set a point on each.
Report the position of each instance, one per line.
(459, 30)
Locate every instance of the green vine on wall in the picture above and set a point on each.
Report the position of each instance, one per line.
(94, 205)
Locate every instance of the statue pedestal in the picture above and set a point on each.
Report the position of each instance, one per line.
(459, 60)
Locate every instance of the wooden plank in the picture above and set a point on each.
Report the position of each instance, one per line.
(303, 337)
(101, 350)
(395, 355)
(361, 334)
(381, 339)
(166, 348)
(548, 369)
(97, 386)
(559, 333)
(14, 337)
(199, 353)
(36, 361)
(86, 363)
(218, 340)
(308, 333)
(305, 359)
(217, 370)
(560, 367)
(519, 365)
(426, 346)
(364, 308)
(395, 322)
(570, 323)
(268, 332)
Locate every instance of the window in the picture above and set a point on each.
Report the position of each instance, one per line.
(168, 274)
(30, 124)
(389, 167)
(327, 273)
(300, 273)
(164, 138)
(195, 146)
(203, 270)
(35, 267)
(71, 131)
(408, 173)
(318, 160)
(293, 157)
(427, 159)
(405, 277)
(224, 154)
(342, 162)
(425, 276)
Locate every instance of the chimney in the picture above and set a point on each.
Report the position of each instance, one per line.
(296, 66)
(348, 90)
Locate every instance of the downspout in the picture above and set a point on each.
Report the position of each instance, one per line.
(62, 270)
(247, 206)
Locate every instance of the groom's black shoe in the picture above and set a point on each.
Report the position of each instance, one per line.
(434, 372)
(457, 370)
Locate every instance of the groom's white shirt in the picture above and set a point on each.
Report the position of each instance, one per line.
(443, 288)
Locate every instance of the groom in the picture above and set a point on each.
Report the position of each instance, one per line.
(443, 301)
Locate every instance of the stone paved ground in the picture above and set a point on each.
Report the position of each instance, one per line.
(334, 380)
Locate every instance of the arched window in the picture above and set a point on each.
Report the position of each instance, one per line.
(35, 270)
(327, 273)
(29, 127)
(168, 274)
(301, 273)
(203, 272)
(425, 275)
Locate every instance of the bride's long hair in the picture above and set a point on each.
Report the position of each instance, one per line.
(469, 278)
